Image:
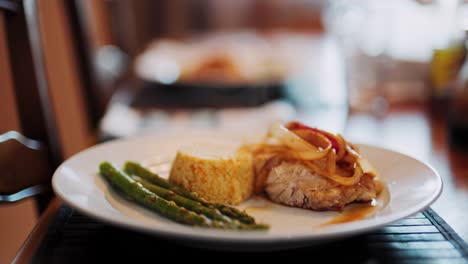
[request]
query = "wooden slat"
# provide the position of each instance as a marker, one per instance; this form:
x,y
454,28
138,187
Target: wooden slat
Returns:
x,y
435,261
417,216
412,222
422,253
404,237
408,230
413,245
64,84
91,21
98,23
8,108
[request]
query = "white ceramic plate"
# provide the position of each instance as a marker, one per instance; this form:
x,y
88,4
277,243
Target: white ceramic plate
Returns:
x,y
411,186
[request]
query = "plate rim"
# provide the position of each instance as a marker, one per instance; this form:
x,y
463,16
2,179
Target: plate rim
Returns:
x,y
236,237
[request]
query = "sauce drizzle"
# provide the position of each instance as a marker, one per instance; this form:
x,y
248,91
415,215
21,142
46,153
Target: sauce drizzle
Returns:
x,y
354,212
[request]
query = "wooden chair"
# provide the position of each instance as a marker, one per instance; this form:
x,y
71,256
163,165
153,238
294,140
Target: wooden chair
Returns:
x,y
24,163
50,97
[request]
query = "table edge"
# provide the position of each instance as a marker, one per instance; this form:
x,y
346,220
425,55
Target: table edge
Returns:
x,y
33,241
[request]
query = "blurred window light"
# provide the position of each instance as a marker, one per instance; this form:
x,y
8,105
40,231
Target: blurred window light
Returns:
x,y
402,29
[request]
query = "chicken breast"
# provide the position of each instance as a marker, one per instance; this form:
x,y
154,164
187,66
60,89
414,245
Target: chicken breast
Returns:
x,y
293,184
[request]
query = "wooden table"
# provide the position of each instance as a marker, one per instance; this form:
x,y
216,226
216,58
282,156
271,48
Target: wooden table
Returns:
x,y
411,130
415,131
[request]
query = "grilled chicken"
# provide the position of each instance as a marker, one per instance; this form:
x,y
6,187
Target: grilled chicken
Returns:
x,y
294,184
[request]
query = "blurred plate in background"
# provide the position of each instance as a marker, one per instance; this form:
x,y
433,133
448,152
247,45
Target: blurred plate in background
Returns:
x,y
219,69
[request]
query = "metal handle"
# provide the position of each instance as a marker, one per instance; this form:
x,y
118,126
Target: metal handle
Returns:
x,y
24,167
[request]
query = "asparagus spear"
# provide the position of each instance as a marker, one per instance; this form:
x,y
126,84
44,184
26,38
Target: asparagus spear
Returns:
x,y
219,220
134,168
148,199
234,213
182,201
170,209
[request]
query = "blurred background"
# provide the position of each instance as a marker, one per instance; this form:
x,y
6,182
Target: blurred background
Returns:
x,y
75,73
326,56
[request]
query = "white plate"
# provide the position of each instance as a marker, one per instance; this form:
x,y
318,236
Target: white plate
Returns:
x,y
411,186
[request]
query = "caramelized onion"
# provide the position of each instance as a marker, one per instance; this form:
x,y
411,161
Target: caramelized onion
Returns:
x,y
354,147
293,126
351,156
341,147
328,155
343,180
347,180
331,162
304,149
314,138
366,167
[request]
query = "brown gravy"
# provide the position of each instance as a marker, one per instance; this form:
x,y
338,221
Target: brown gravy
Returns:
x,y
254,208
354,212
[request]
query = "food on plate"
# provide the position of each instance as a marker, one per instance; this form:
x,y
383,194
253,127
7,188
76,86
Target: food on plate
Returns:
x,y
133,168
182,201
170,201
215,68
148,199
225,58
305,167
294,165
218,173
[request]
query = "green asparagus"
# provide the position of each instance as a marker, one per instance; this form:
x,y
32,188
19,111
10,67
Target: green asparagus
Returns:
x,y
219,220
182,201
233,213
143,196
134,168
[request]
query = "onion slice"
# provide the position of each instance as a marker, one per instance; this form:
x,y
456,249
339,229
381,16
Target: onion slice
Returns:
x,y
366,167
331,162
341,147
304,149
318,150
347,180
293,126
343,180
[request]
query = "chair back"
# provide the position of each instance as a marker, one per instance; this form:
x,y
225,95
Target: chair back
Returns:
x,y
48,103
